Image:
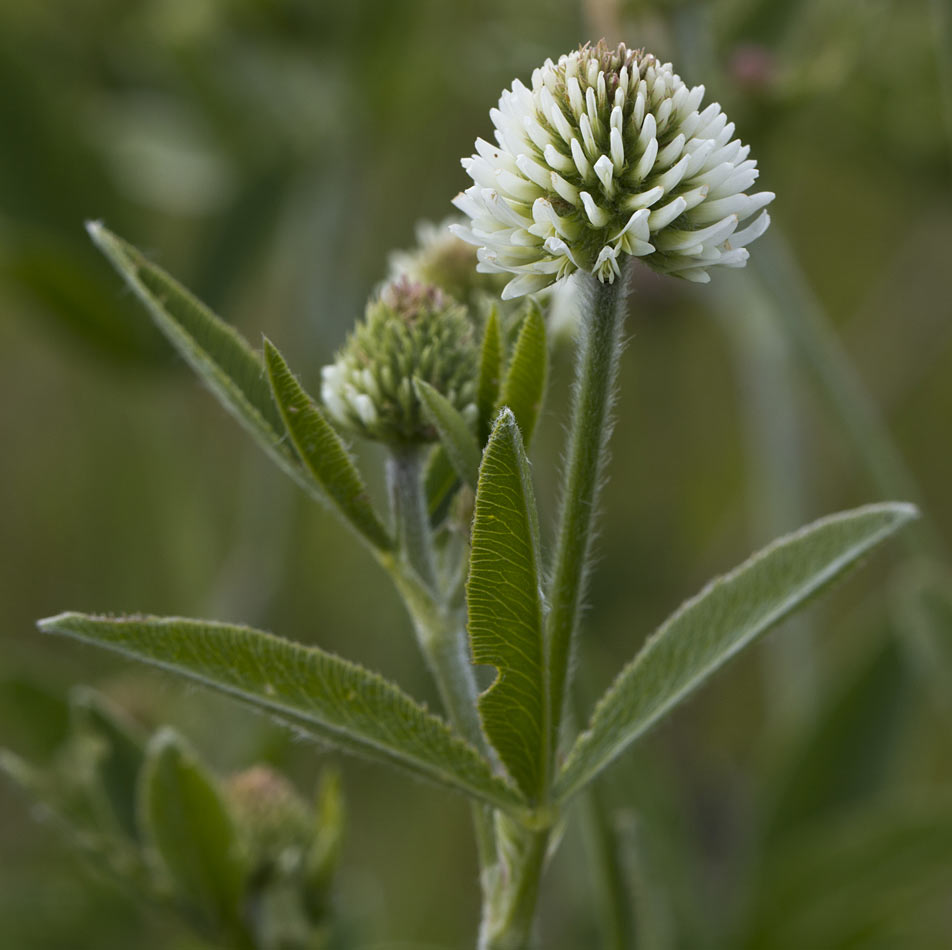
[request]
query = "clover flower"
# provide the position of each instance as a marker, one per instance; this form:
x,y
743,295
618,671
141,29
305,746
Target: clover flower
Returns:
x,y
608,154
411,330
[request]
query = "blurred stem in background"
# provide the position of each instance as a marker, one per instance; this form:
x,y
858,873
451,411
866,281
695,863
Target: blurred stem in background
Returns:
x,y
777,491
804,323
942,47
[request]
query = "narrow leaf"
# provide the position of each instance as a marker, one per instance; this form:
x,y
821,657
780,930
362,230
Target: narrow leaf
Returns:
x,y
184,817
461,447
716,624
322,451
315,691
121,757
440,481
524,386
216,351
505,608
490,373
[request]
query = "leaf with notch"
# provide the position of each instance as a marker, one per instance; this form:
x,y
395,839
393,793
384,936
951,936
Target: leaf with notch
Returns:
x,y
504,599
461,447
331,698
708,630
524,386
322,451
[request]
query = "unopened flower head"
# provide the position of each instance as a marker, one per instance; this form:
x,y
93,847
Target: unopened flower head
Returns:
x,y
609,154
411,330
444,260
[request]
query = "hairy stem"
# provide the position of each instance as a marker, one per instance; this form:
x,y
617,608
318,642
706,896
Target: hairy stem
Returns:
x,y
513,887
439,629
603,311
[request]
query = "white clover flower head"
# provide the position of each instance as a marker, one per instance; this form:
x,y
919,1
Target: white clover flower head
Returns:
x,y
410,330
608,154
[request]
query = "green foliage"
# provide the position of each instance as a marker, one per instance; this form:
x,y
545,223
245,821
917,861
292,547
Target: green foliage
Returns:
x,y
876,875
243,861
725,617
524,386
332,699
459,442
192,834
505,608
121,755
323,453
846,751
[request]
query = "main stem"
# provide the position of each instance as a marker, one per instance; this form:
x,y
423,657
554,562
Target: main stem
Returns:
x,y
510,908
603,313
439,629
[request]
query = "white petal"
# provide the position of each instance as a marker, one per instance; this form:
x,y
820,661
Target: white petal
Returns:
x,y
668,155
685,241
533,171
585,127
526,284
605,170
664,215
751,232
557,160
564,189
617,148
644,199
581,162
647,160
596,215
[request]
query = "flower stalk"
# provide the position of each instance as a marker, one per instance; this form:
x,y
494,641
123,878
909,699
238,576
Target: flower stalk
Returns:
x,y
599,347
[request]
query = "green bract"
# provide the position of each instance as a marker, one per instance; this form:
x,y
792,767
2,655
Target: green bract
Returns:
x,y
411,330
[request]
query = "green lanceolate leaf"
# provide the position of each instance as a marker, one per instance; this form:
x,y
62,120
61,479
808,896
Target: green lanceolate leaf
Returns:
x,y
121,756
317,692
490,372
461,447
188,825
726,616
217,352
439,482
524,385
505,608
322,452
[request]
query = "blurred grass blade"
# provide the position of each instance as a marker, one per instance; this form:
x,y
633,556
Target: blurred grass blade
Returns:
x,y
925,614
524,386
185,818
879,877
461,447
490,373
121,757
315,691
322,452
503,594
846,753
716,624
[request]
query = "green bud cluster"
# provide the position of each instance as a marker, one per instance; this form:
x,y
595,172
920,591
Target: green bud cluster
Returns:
x,y
411,330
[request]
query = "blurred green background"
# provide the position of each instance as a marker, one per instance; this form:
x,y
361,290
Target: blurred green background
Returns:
x,y
270,154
